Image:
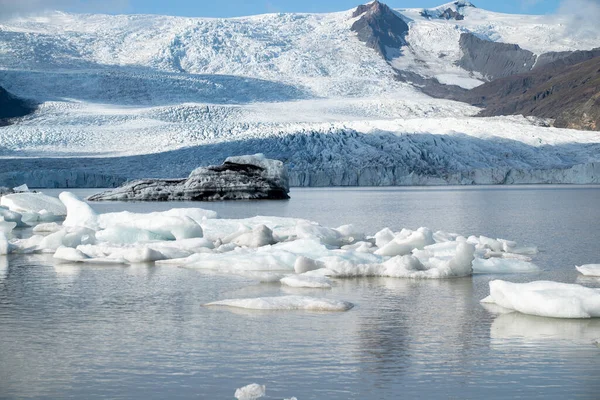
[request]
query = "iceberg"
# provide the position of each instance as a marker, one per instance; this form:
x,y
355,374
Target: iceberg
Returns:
x,y
546,299
307,281
251,392
32,207
238,178
589,269
286,303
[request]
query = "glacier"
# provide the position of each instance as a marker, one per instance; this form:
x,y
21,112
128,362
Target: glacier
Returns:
x,y
126,97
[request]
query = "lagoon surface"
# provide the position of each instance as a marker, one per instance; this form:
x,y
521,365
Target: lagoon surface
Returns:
x,y
143,332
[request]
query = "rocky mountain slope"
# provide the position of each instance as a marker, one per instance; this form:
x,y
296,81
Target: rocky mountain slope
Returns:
x,y
343,98
12,107
570,94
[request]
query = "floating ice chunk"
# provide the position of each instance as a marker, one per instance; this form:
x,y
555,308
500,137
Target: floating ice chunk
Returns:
x,y
21,189
48,227
305,264
286,303
197,214
324,235
360,247
546,299
79,213
251,392
69,254
383,237
350,234
126,235
164,226
307,281
11,216
401,245
409,266
130,254
503,266
589,269
260,236
33,203
5,226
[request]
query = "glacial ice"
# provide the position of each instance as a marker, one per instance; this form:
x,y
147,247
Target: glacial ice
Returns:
x,y
589,269
33,207
294,252
546,299
286,303
503,266
251,392
307,281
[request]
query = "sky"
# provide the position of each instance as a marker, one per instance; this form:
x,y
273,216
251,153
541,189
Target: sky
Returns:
x,y
229,8
234,8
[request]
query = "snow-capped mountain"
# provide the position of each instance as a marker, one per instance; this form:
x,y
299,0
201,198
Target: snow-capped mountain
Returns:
x,y
155,96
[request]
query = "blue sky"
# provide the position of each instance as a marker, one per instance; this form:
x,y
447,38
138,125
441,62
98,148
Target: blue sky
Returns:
x,y
231,8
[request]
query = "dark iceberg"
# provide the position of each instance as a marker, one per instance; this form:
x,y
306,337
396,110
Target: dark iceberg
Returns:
x,y
238,178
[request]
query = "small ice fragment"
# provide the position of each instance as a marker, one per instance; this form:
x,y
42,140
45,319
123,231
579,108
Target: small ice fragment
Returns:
x,y
305,264
589,269
49,227
21,189
259,236
79,213
383,237
286,303
69,254
6,227
304,281
251,392
503,266
401,246
33,203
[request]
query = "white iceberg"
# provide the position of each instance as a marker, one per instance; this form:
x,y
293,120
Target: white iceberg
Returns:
x,y
589,269
286,303
546,299
35,203
251,392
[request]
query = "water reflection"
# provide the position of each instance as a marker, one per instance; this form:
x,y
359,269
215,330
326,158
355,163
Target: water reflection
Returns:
x,y
527,327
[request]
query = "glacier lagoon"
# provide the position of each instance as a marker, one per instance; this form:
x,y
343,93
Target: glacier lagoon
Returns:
x,y
142,331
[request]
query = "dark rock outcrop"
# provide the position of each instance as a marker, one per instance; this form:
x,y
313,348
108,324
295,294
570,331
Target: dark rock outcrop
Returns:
x,y
492,59
567,93
380,27
451,14
13,107
565,58
239,178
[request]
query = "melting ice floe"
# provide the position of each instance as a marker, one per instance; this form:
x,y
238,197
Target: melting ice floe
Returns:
x,y
301,253
250,392
546,299
286,303
589,270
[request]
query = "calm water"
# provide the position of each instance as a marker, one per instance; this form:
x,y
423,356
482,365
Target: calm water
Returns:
x,y
85,332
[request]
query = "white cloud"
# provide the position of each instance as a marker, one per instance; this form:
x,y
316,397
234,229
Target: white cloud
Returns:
x,y
584,15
